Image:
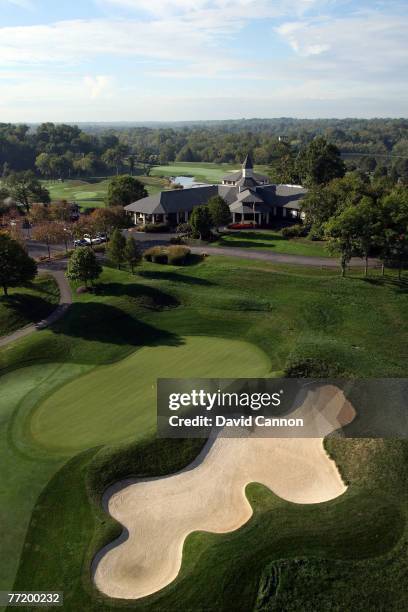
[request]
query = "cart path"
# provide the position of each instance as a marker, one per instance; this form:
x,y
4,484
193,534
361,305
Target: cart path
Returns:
x,y
57,272
303,260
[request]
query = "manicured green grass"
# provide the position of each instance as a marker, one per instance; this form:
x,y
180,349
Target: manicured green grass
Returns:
x,y
360,325
28,304
92,193
273,242
80,415
201,171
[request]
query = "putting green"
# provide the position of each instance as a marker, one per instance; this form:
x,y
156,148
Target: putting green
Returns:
x,y
118,402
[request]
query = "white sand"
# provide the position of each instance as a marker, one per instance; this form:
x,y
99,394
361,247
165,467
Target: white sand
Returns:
x,y
210,496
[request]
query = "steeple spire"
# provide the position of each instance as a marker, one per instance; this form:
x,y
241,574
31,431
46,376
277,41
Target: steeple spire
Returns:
x,y
248,165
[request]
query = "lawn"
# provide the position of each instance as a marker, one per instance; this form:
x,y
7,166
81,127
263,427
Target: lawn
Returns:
x,y
29,304
110,347
201,171
274,242
91,193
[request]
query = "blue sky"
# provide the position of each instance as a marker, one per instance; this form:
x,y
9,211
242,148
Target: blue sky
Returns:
x,y
146,60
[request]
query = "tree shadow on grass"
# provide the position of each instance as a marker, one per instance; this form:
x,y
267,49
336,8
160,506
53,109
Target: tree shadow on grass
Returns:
x,y
98,322
27,306
142,295
175,277
399,286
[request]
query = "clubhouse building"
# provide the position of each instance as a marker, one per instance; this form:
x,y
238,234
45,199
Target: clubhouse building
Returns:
x,y
250,197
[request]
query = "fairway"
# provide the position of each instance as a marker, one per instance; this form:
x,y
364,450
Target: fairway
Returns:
x,y
118,402
201,171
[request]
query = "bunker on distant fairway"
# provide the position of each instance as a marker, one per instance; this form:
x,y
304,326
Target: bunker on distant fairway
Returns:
x,y
116,403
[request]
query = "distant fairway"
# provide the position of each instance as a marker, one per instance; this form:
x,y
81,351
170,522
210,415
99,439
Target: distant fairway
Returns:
x,y
118,401
201,171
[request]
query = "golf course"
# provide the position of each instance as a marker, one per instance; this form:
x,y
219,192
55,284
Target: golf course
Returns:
x,y
78,414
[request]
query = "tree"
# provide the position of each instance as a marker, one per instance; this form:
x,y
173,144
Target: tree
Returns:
x,y
114,157
319,163
341,234
16,267
25,189
39,214
107,219
395,223
116,248
200,222
123,190
219,211
367,227
60,211
132,253
49,232
83,266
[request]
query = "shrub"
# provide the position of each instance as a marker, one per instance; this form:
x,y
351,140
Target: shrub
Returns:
x,y
314,367
176,240
156,255
154,228
177,255
293,231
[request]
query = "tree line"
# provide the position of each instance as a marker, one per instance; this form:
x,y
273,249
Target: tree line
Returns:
x,y
59,151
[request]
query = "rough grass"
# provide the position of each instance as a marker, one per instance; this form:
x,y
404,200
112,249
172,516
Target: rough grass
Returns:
x,y
29,304
283,311
274,242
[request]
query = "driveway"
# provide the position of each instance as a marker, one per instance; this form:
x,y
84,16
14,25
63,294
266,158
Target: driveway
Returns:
x,y
57,270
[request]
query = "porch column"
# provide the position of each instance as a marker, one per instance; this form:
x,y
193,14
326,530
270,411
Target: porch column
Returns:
x,y
267,218
284,212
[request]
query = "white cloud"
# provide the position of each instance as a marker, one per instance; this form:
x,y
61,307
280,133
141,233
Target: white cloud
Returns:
x,y
99,86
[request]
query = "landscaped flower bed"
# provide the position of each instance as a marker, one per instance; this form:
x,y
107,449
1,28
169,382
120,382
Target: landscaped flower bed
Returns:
x,y
243,226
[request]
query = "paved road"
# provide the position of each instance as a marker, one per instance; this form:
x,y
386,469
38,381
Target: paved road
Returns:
x,y
320,262
57,270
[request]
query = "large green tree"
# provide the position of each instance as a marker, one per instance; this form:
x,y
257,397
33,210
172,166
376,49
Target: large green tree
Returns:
x,y
201,222
123,190
395,222
116,248
219,211
25,189
319,163
132,253
83,266
16,267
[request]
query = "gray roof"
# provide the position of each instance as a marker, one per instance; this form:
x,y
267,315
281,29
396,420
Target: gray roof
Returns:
x,y
265,197
176,200
249,195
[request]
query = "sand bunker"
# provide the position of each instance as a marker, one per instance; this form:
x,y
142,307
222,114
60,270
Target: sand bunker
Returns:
x,y
209,495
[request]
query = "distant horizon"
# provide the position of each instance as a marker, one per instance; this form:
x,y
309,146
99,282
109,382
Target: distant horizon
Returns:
x,y
195,121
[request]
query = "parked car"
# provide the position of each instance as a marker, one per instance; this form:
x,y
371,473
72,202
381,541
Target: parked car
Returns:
x,y
81,242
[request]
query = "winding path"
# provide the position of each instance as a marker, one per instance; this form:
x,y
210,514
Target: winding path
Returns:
x,y
57,270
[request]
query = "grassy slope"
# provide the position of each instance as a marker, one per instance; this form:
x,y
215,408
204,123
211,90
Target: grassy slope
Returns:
x,y
273,241
28,304
202,172
281,310
90,194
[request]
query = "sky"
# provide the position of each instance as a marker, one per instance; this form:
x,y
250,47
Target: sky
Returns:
x,y
183,60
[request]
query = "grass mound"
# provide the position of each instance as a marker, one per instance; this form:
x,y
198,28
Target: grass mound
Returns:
x,y
28,304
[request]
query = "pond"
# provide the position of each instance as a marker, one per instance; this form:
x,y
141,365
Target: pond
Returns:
x,y
186,181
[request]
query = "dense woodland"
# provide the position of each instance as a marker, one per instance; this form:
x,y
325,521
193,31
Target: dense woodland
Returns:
x,y
63,151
